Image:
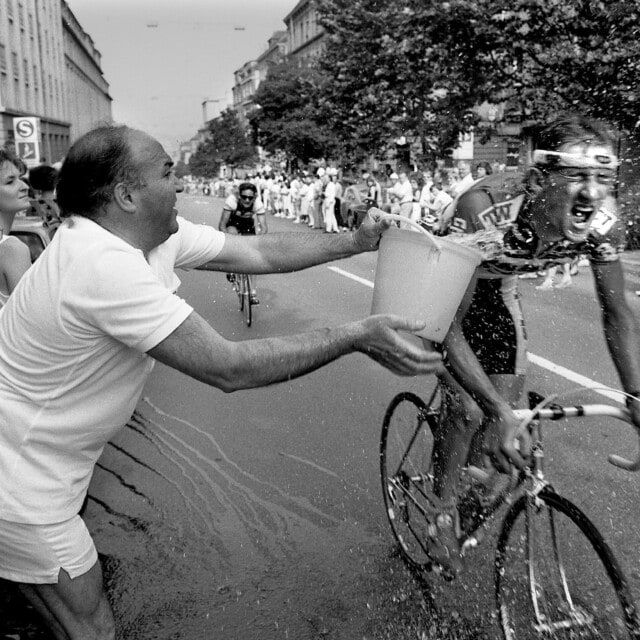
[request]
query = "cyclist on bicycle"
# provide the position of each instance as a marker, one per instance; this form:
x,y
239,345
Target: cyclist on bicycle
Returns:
x,y
562,208
244,215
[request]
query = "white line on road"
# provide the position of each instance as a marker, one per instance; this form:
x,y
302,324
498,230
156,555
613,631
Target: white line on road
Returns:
x,y
346,274
581,380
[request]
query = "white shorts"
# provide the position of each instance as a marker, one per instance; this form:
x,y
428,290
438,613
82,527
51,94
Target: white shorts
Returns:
x,y
34,554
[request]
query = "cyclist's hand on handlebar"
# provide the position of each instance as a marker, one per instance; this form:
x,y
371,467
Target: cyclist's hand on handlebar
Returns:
x,y
367,236
499,442
381,341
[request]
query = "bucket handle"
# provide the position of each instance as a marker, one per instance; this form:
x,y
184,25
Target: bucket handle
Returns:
x,y
415,225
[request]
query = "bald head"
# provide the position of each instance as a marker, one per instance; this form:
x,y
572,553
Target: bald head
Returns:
x,y
96,162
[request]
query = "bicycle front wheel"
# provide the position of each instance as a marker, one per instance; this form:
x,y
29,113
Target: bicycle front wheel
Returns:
x,y
239,289
406,444
556,577
247,300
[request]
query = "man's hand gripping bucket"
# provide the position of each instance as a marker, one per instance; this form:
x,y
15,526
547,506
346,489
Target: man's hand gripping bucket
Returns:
x,y
421,277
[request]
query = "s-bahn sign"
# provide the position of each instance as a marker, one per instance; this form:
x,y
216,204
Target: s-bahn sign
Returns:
x,y
27,136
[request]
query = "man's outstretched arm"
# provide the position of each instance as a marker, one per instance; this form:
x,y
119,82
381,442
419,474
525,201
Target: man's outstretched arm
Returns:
x,y
197,350
284,252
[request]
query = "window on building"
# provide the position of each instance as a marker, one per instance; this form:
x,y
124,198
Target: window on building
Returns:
x,y
21,16
14,64
35,77
25,64
10,10
31,26
3,59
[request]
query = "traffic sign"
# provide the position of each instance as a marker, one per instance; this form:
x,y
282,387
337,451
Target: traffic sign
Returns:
x,y
27,151
27,136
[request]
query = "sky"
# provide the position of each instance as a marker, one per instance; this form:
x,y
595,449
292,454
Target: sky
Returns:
x,y
163,58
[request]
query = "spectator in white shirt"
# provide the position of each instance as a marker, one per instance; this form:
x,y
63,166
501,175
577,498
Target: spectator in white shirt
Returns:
x,y
440,199
402,193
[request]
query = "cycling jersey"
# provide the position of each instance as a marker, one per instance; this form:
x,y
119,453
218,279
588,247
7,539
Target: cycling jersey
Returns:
x,y
242,218
494,324
500,202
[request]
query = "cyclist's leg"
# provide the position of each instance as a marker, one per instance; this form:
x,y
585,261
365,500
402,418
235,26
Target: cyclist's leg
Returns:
x,y
458,440
495,333
495,330
460,418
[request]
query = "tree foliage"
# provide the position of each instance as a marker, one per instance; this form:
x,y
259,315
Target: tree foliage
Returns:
x,y
386,79
545,56
286,118
226,142
417,67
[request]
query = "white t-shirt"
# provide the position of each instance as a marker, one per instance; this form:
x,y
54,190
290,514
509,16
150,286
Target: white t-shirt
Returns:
x,y
73,361
403,191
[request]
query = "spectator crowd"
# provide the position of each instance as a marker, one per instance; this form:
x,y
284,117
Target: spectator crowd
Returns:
x,y
316,197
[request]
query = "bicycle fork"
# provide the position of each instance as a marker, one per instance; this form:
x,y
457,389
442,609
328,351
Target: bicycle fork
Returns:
x,y
537,509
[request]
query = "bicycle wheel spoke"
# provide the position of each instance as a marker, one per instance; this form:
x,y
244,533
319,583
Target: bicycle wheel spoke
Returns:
x,y
556,577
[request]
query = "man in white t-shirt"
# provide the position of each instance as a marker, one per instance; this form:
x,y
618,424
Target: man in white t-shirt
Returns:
x,y
82,330
402,194
466,179
440,199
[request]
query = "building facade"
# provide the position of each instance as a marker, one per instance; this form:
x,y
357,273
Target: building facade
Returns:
x,y
246,82
88,101
306,36
247,79
276,52
42,46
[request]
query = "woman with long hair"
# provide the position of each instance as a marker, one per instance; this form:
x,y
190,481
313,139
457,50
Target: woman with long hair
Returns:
x,y
15,257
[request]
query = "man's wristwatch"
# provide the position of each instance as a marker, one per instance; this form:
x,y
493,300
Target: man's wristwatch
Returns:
x,y
630,396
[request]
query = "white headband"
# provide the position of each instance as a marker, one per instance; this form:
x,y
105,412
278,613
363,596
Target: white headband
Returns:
x,y
580,160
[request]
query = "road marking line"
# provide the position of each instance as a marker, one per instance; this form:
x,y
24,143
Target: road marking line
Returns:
x,y
581,380
346,274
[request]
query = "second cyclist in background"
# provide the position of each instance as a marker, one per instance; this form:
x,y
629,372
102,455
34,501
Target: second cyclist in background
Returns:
x,y
244,214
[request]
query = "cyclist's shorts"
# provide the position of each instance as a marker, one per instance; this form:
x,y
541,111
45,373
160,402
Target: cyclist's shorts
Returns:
x,y
494,326
34,554
245,226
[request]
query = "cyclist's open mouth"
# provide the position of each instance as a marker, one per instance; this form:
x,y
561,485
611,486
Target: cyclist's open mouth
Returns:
x,y
579,218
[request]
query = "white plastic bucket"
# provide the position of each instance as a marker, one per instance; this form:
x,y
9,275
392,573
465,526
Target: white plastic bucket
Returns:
x,y
422,278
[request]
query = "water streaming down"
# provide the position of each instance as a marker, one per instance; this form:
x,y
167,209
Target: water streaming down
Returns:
x,y
195,545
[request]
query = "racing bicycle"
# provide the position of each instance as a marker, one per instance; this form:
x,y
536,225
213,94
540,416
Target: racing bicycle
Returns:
x,y
554,574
